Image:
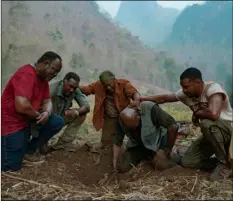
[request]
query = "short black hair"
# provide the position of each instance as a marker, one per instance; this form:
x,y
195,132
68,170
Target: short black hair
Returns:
x,y
106,75
191,73
51,56
72,75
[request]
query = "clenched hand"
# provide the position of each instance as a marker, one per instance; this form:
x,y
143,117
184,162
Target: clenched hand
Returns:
x,y
42,118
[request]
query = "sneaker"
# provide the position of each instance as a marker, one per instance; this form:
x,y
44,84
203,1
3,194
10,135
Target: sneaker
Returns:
x,y
34,158
45,149
221,172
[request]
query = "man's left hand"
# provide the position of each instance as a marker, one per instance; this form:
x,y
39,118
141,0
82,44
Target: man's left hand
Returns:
x,y
135,104
43,118
71,113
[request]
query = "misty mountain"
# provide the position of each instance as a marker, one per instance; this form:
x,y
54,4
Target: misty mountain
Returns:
x,y
202,37
209,24
147,20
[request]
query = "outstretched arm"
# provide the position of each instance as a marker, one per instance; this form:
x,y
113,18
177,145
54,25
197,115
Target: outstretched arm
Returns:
x,y
160,99
89,89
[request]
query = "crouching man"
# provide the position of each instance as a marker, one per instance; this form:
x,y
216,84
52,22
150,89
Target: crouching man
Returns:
x,y
213,113
63,92
152,133
25,94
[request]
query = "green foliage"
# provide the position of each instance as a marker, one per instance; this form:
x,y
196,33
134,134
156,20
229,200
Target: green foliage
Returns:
x,y
151,77
19,13
47,17
171,72
55,35
65,9
77,60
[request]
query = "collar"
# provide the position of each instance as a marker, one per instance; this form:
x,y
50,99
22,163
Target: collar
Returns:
x,y
60,89
117,92
33,65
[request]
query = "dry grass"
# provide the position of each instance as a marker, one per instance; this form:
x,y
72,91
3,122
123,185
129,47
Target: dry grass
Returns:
x,y
147,188
141,185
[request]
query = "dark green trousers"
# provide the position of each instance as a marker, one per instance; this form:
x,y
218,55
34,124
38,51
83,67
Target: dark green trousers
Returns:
x,y
215,140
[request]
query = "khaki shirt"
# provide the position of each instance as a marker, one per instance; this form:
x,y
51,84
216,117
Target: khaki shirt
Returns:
x,y
62,103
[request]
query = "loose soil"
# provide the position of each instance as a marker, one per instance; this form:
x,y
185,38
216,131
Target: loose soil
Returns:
x,y
80,168
76,176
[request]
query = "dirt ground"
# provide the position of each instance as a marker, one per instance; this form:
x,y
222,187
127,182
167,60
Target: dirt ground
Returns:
x,y
75,176
67,175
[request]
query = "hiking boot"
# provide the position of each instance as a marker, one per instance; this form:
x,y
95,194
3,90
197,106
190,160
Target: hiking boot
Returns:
x,y
34,158
45,149
221,172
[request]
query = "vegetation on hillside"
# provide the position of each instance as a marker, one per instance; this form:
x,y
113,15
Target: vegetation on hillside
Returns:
x,y
85,38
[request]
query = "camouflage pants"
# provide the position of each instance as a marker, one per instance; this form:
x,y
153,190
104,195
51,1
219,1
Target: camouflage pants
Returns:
x,y
215,140
68,134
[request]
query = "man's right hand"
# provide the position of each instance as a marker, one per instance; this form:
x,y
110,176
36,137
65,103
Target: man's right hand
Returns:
x,y
111,177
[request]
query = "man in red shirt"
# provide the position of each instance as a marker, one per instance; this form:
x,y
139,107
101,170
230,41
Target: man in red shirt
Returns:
x,y
26,101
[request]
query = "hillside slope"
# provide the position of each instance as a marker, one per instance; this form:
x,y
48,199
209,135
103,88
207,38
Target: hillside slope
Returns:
x,y
87,41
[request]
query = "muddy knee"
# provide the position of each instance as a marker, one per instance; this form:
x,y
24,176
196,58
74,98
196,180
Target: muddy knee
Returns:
x,y
188,161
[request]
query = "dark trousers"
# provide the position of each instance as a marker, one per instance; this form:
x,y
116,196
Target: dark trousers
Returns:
x,y
15,145
133,156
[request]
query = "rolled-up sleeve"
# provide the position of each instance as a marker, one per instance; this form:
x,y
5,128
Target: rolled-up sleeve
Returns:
x,y
130,90
81,99
118,136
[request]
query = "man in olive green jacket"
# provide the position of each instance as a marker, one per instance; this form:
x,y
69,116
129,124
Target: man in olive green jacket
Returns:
x,y
63,92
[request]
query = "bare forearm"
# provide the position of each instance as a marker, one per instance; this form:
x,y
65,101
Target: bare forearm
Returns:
x,y
206,114
160,99
116,153
136,97
83,110
28,111
24,107
156,99
47,107
171,136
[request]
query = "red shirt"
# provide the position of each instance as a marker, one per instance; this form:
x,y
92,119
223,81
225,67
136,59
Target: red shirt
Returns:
x,y
23,83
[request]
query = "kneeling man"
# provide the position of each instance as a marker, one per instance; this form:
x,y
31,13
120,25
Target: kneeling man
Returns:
x,y
152,133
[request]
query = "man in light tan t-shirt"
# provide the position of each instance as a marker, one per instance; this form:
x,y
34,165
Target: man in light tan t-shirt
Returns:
x,y
213,113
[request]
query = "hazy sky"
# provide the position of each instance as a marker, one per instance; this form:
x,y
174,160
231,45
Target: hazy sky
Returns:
x,y
113,6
